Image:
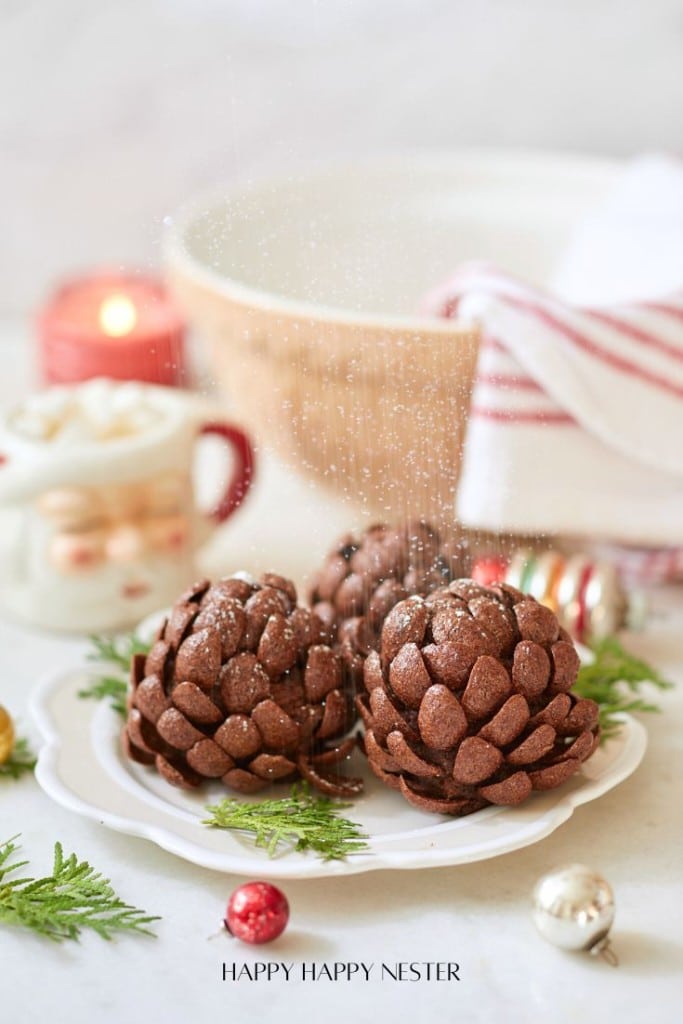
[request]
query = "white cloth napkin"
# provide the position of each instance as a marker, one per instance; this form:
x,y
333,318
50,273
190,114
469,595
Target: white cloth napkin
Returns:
x,y
576,423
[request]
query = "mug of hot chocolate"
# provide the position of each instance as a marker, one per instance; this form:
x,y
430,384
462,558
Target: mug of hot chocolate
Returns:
x,y
101,523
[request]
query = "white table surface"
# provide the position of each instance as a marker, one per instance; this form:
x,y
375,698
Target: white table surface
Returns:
x,y
476,915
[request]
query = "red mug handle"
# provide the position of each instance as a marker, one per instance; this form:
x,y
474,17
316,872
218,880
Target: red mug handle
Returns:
x,y
242,475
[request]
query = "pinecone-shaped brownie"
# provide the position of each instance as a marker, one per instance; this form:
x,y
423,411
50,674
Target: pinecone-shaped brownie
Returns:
x,y
363,578
468,700
241,686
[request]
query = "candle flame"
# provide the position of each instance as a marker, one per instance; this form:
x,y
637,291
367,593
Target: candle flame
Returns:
x,y
118,316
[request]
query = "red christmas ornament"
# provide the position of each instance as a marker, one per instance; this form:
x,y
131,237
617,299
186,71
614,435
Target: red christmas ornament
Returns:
x,y
257,912
489,569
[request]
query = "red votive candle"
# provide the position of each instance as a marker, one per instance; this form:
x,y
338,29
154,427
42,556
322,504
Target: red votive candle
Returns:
x,y
116,325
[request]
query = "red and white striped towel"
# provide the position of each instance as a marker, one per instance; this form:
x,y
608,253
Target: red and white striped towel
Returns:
x,y
577,412
576,423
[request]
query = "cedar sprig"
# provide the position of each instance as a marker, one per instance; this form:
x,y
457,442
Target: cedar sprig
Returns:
x,y
116,653
20,761
300,822
62,904
611,679
117,650
108,686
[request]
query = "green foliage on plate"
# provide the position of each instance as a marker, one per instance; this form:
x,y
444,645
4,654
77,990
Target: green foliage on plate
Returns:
x,y
613,680
114,655
299,821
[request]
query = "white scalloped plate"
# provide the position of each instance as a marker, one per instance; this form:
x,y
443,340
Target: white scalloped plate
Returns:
x,y
81,767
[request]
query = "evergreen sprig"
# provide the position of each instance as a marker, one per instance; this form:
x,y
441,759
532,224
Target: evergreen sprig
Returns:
x,y
62,904
611,679
117,650
116,653
108,686
300,821
20,761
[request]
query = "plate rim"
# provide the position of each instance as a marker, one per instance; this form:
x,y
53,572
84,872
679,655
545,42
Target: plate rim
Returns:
x,y
300,866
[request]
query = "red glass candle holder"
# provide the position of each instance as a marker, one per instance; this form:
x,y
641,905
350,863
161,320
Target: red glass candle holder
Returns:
x,y
119,325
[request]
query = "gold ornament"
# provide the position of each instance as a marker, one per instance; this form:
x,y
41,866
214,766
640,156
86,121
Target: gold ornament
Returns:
x,y
6,735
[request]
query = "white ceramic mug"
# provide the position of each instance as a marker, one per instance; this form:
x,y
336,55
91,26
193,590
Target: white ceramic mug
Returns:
x,y
102,524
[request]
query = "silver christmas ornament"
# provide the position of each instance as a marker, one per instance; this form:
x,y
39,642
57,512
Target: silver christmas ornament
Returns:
x,y
573,907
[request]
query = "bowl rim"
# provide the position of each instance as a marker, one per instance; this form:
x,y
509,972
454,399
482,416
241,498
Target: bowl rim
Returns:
x,y
178,258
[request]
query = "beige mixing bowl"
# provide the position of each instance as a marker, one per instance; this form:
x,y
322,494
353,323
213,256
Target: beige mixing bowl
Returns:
x,y
308,288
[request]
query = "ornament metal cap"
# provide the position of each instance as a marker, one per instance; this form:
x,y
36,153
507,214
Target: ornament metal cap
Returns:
x,y
573,908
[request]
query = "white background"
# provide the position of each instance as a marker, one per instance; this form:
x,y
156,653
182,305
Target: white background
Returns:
x,y
110,115
113,113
